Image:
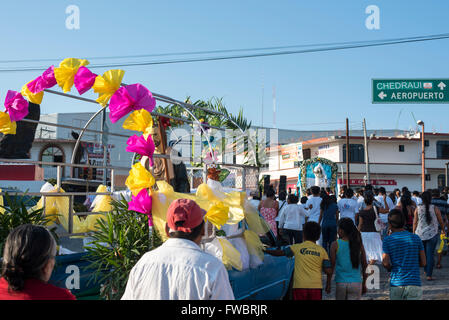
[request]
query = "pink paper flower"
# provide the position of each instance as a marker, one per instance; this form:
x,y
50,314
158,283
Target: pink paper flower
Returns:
x,y
129,98
209,159
16,105
142,146
84,79
44,81
142,203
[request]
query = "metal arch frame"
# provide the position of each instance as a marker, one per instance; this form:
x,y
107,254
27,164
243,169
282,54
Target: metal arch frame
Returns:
x,y
184,105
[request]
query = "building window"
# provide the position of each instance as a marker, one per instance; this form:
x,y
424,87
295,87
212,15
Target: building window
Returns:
x,y
426,143
306,154
443,149
401,148
52,153
427,177
356,153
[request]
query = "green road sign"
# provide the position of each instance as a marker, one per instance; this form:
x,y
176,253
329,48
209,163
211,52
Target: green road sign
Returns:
x,y
410,90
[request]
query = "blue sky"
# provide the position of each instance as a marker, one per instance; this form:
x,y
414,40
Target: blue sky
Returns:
x,y
311,88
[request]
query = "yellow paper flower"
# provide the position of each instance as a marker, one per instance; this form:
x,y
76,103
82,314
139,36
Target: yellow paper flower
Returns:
x,y
231,256
31,97
139,178
107,84
139,120
65,73
6,126
253,243
217,214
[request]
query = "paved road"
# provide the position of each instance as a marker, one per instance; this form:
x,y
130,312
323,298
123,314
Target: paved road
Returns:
x,y
437,289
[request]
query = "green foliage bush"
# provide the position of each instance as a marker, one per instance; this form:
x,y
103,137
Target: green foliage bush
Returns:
x,y
18,211
120,241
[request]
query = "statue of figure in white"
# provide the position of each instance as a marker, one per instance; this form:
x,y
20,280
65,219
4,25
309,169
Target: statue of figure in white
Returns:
x,y
320,176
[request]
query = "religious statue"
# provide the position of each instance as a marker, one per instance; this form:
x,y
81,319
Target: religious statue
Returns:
x,y
320,176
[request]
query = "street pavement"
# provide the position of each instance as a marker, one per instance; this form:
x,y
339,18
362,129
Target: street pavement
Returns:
x,y
437,289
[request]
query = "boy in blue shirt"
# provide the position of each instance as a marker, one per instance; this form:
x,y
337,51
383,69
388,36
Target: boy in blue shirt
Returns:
x,y
403,255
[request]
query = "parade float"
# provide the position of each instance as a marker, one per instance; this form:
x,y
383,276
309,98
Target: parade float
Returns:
x,y
233,226
319,172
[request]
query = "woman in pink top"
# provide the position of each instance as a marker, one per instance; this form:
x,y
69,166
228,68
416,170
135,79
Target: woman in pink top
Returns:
x,y
269,209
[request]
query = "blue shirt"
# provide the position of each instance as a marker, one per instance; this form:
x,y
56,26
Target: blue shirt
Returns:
x,y
403,248
329,215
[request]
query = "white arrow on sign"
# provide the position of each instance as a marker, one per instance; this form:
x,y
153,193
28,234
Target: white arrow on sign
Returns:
x,y
441,85
382,95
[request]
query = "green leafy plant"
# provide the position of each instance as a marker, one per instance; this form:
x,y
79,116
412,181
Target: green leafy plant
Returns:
x,y
19,210
120,241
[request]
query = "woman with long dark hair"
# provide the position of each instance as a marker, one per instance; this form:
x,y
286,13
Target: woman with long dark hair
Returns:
x,y
328,220
425,225
406,205
348,260
28,261
370,236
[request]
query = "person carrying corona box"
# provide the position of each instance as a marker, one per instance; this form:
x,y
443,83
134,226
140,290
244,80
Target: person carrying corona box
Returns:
x,y
179,269
310,260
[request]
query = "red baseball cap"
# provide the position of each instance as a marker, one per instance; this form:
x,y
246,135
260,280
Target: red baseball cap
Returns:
x,y
184,210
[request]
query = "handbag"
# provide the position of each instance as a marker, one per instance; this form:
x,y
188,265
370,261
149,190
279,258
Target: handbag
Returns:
x,y
378,223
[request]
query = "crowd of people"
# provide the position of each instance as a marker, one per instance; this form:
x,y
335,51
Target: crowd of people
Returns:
x,y
399,230
336,235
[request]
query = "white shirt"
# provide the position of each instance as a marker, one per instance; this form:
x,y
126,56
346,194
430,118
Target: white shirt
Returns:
x,y
360,201
178,270
417,200
390,203
291,217
348,208
282,205
380,199
314,213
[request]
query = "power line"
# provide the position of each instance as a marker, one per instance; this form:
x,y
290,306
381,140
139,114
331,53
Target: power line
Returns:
x,y
266,54
223,50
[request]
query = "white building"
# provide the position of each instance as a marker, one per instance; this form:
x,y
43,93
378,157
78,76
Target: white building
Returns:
x,y
394,161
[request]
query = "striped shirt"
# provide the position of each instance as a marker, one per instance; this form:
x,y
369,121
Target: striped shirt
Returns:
x,y
403,248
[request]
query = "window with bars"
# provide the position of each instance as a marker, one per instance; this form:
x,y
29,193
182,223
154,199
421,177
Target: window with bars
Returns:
x,y
356,153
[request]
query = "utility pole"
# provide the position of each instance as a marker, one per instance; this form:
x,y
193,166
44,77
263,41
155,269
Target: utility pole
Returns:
x,y
274,107
423,157
261,125
368,181
347,152
447,175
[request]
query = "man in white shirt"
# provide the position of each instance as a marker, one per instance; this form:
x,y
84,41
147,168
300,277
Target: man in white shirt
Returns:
x,y
313,205
347,206
179,269
290,220
416,198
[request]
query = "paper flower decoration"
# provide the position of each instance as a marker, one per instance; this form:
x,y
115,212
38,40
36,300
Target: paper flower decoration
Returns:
x,y
129,98
6,126
16,105
209,159
65,73
142,203
141,145
44,81
165,122
139,120
139,178
32,97
84,79
107,84
217,214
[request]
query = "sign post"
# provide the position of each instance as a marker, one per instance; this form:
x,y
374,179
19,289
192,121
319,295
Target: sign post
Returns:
x,y
410,90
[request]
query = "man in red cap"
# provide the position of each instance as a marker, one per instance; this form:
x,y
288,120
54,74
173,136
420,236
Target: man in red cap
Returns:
x,y
179,269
